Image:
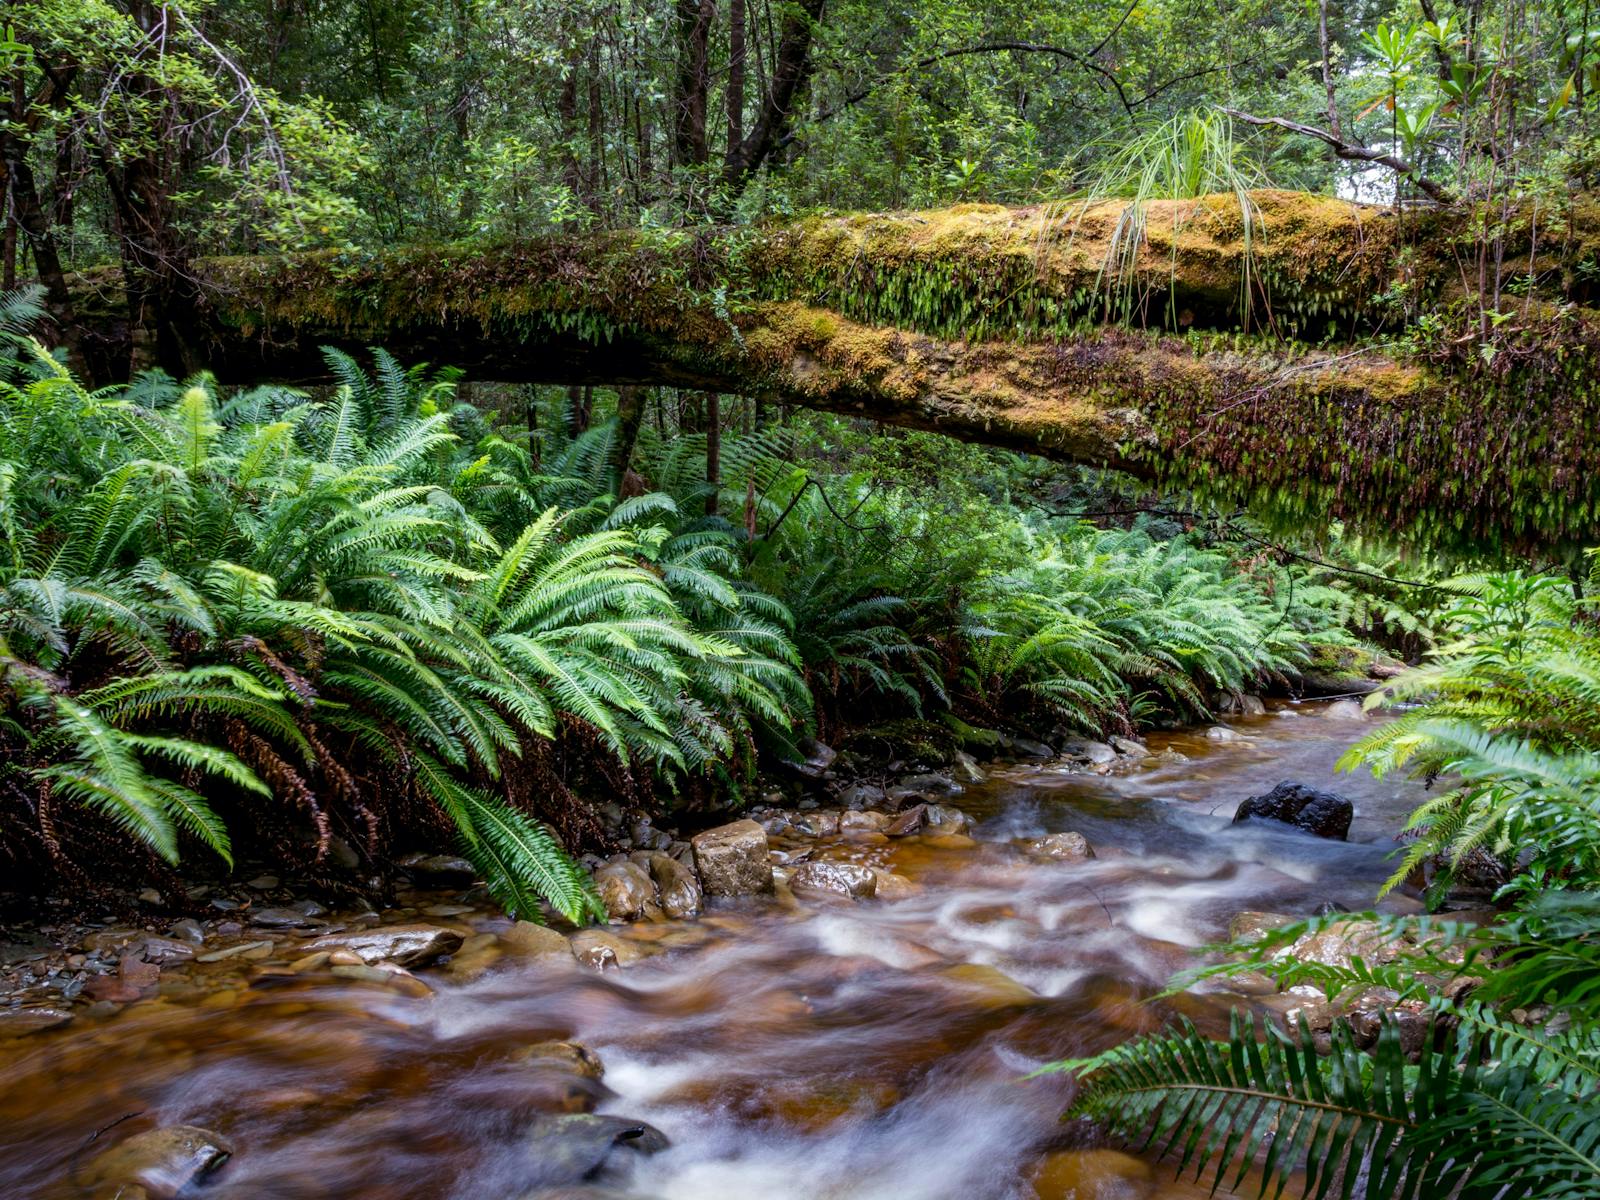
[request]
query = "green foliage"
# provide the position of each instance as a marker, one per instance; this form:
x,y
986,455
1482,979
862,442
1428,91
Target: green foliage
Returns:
x,y
337,606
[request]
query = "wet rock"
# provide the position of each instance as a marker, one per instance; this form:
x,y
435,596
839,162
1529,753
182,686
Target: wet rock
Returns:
x,y
1221,733
625,889
20,1022
866,821
1129,748
165,950
405,945
818,758
1377,1007
106,941
862,795
932,784
677,886
647,837
262,883
283,918
732,860
912,821
164,1162
187,930
572,1057
892,887
535,940
1092,1175
233,951
575,1147
387,975
1344,710
1251,926
1301,1002
439,870
1028,748
989,987
1343,941
1321,813
942,819
601,951
1085,750
830,879
967,768
820,823
1063,847
135,970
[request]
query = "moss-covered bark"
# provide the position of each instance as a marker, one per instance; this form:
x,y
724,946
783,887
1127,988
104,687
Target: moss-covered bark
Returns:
x,y
991,324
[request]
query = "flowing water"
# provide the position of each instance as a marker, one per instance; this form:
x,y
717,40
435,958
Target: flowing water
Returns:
x,y
863,1051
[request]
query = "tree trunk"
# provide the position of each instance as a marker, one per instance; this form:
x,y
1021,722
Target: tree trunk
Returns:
x,y
791,68
630,412
694,80
713,450
736,22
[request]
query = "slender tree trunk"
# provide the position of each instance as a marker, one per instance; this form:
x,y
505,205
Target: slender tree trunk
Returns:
x,y
8,242
713,450
736,24
791,68
630,413
694,18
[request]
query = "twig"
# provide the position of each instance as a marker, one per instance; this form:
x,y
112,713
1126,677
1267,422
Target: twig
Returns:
x,y
1351,152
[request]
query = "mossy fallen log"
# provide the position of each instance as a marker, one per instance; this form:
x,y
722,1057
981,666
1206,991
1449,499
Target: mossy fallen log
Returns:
x,y
1325,359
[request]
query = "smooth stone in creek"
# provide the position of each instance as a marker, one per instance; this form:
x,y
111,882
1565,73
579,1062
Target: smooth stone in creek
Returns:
x,y
1028,748
571,1057
625,889
1251,926
575,1147
283,918
1086,750
911,821
732,860
968,769
1129,748
944,819
864,821
1300,1003
164,1162
187,930
262,883
1342,942
386,975
1345,710
1092,1175
234,951
677,887
823,879
405,945
1325,814
862,795
1064,847
1221,733
604,951
533,940
989,987
439,869
892,887
19,1022
818,758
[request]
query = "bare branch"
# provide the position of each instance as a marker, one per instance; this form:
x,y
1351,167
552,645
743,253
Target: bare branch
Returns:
x,y
1351,152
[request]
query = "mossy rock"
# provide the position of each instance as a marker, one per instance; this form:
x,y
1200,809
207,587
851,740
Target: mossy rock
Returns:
x,y
914,741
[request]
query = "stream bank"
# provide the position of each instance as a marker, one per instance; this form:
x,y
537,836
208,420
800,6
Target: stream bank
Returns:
x,y
799,1043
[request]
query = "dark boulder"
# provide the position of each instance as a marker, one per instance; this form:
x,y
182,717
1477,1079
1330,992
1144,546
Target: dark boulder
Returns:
x,y
1321,813
565,1148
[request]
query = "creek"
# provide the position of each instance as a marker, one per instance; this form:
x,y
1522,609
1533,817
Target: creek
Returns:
x,y
869,1051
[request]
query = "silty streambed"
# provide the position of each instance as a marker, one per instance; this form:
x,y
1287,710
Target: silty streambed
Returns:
x,y
872,1051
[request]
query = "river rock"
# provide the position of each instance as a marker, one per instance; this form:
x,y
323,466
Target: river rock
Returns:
x,y
818,823
284,918
862,795
1028,748
1344,710
535,941
439,870
1343,941
187,930
818,758
1221,733
912,821
678,888
732,859
944,820
20,1022
826,879
865,821
165,950
967,768
625,889
1063,847
571,1057
1129,748
1252,926
647,837
601,951
989,987
1369,1012
1093,1175
164,1162
405,945
1321,813
576,1147
1085,750
931,783
892,887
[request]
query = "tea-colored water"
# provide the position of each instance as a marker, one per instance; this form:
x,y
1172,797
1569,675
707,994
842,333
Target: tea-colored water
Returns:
x,y
871,1052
